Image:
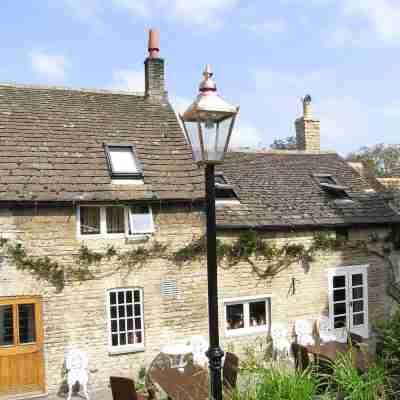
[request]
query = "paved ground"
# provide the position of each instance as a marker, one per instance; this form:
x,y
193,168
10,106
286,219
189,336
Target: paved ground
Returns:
x,y
102,395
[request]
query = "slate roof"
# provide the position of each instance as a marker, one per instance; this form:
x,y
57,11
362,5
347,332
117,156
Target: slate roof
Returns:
x,y
51,146
279,189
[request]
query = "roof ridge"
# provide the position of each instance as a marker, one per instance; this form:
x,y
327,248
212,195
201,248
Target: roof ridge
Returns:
x,y
285,152
71,89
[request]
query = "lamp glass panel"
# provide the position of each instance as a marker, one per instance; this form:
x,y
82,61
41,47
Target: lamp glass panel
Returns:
x,y
192,131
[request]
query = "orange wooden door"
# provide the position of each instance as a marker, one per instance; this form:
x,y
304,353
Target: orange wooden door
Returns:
x,y
21,346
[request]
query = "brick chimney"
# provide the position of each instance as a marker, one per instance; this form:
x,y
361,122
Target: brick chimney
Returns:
x,y
307,128
154,70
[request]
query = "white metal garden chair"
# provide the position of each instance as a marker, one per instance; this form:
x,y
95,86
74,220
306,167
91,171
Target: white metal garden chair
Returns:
x,y
326,333
76,363
280,340
304,332
199,347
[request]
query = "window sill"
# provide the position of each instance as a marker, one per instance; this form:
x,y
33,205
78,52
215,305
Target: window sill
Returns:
x,y
246,332
126,349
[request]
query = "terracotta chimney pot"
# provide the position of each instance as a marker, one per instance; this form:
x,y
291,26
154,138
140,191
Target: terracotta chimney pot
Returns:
x,y
154,43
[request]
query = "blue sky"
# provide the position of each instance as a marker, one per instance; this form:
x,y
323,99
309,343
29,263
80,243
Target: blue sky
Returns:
x,y
266,56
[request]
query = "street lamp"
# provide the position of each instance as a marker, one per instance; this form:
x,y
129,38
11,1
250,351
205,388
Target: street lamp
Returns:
x,y
208,125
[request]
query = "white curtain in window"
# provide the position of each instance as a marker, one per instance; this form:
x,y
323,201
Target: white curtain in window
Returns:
x,y
115,220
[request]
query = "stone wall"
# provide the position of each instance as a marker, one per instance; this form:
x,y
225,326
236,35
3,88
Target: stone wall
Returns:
x,y
76,316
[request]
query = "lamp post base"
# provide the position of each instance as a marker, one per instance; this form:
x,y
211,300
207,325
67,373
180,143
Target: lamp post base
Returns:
x,y
215,354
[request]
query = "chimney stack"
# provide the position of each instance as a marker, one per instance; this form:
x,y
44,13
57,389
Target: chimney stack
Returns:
x,y
307,128
154,70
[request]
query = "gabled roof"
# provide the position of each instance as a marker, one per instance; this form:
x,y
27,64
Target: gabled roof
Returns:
x,y
51,146
279,189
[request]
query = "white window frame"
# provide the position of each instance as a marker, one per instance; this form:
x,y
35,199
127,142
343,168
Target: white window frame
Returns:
x,y
348,270
103,223
248,330
127,348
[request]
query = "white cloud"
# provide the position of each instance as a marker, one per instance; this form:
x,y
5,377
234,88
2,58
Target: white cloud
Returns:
x,y
207,13
180,103
128,79
246,134
50,66
267,28
86,10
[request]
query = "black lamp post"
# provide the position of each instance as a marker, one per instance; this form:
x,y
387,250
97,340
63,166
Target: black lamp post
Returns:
x,y
208,125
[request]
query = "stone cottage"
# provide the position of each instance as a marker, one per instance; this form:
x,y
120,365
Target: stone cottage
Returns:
x,y
98,196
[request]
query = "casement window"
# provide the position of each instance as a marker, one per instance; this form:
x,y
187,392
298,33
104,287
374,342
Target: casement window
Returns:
x,y
223,191
114,221
125,319
122,162
247,315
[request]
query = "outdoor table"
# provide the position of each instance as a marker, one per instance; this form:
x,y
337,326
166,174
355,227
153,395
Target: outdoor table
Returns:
x,y
329,351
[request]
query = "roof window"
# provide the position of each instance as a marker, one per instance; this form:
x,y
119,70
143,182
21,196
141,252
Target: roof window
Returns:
x,y
331,186
122,162
223,191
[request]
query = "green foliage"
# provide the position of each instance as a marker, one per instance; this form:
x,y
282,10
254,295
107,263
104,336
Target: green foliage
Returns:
x,y
290,143
372,385
42,267
256,354
389,334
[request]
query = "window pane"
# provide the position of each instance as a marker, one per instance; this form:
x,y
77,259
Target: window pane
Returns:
x,y
137,310
122,160
114,326
121,298
90,220
114,340
121,311
339,322
326,179
138,323
27,330
234,316
6,326
138,337
357,279
257,313
113,312
140,220
122,325
113,298
358,306
136,296
358,293
122,339
339,295
129,311
358,319
115,220
339,281
129,296
130,324
339,308
131,337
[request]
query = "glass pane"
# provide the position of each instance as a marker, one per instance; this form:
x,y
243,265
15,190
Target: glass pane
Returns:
x,y
358,306
130,324
121,325
136,295
140,220
129,311
358,319
131,337
358,293
339,295
90,220
113,298
6,326
339,322
129,296
114,340
137,310
122,339
138,337
121,298
115,220
339,281
257,313
122,160
26,317
113,312
234,316
138,323
215,136
114,326
357,279
121,311
339,308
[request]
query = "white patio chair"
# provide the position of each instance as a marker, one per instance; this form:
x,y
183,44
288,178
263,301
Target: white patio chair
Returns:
x,y
341,335
280,340
326,334
76,363
304,332
199,347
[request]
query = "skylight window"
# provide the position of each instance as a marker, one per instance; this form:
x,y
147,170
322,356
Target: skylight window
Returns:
x,y
223,191
331,186
122,162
